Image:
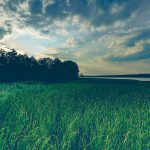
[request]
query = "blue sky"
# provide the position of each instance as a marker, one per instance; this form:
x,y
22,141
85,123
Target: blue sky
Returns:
x,y
102,36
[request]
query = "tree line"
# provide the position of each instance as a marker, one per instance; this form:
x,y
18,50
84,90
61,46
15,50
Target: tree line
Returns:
x,y
20,67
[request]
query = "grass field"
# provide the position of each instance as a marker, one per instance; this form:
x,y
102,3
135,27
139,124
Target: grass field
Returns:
x,y
90,114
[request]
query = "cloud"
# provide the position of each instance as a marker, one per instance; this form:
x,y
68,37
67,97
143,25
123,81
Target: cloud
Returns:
x,y
72,42
56,10
42,13
12,5
113,10
35,6
82,30
3,32
5,29
136,56
129,46
140,36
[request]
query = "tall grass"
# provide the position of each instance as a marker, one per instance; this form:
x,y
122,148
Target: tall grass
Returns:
x,y
84,115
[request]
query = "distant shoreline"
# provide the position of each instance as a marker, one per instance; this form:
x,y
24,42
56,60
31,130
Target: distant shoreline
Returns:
x,y
122,76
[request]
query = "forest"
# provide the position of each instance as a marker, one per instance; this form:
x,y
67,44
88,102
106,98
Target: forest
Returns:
x,y
20,67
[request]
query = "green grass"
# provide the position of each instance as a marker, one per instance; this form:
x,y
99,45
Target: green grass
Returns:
x,y
90,114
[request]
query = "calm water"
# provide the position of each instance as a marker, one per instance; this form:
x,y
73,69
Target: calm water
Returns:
x,y
139,79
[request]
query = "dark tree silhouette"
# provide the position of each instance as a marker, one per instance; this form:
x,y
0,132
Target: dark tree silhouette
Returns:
x,y
18,67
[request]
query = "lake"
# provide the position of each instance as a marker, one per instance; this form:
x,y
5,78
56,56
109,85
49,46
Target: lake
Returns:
x,y
139,79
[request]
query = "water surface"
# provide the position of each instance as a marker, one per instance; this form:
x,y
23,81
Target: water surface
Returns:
x,y
139,79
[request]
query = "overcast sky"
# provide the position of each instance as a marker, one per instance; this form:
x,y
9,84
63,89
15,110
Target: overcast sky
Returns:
x,y
102,36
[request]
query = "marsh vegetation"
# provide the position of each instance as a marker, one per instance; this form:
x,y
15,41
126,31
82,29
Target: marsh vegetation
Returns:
x,y
89,114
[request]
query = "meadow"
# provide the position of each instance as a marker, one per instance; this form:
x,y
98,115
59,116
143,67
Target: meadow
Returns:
x,y
89,114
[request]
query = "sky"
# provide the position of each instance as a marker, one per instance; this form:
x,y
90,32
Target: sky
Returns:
x,y
102,36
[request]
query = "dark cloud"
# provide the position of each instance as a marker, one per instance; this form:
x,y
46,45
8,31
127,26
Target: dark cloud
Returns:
x,y
140,36
36,22
97,12
141,55
41,14
12,5
61,9
79,8
5,29
58,9
107,17
3,32
35,6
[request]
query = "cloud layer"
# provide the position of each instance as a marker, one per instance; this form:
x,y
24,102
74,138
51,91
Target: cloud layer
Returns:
x,y
104,31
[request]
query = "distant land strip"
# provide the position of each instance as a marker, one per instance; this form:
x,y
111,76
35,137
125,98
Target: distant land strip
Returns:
x,y
124,76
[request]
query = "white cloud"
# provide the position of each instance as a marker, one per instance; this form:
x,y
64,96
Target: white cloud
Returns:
x,y
72,42
116,8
